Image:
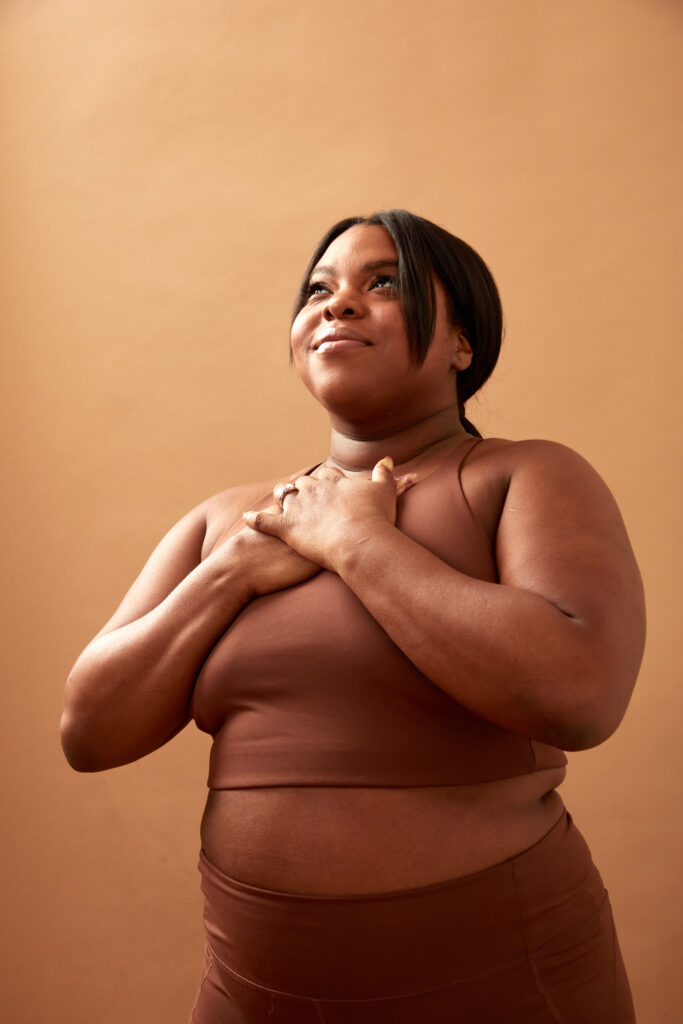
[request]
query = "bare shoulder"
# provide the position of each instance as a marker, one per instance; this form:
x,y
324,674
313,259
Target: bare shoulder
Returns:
x,y
223,511
489,467
531,493
501,457
546,471
495,465
558,521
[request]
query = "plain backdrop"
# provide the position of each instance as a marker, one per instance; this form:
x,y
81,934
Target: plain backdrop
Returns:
x,y
166,169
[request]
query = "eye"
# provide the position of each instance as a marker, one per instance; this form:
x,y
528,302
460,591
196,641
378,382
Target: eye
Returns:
x,y
316,288
386,282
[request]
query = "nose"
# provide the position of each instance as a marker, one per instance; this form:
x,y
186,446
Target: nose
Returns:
x,y
342,306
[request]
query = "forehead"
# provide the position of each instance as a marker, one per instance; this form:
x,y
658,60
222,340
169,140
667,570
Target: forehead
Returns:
x,y
360,244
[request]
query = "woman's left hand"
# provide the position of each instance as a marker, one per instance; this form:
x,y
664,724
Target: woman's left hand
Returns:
x,y
328,511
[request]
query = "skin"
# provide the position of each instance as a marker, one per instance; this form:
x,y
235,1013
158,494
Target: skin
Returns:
x,y
563,627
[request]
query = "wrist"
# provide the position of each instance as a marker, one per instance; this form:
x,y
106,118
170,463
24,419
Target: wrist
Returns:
x,y
351,547
232,570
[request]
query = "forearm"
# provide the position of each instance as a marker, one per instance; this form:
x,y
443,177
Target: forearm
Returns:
x,y
505,653
129,690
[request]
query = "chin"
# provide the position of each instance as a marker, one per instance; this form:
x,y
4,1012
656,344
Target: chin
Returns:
x,y
348,402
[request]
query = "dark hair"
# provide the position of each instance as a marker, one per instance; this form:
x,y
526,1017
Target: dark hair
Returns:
x,y
425,249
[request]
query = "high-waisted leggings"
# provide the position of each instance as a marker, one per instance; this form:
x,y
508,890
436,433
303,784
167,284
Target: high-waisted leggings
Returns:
x,y
529,941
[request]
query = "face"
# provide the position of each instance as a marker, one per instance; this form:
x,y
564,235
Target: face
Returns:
x,y
349,340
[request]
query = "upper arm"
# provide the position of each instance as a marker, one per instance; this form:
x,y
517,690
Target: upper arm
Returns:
x,y
561,536
174,557
182,549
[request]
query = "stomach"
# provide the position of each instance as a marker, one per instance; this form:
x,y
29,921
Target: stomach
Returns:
x,y
318,840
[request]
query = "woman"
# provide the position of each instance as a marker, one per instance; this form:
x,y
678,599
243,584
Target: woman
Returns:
x,y
391,649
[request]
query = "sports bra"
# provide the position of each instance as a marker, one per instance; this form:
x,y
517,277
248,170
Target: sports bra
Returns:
x,y
305,688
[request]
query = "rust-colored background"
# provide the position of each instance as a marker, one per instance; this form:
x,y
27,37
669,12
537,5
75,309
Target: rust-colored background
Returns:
x,y
166,168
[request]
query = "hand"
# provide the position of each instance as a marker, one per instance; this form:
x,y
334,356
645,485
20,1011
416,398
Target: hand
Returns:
x,y
329,510
266,563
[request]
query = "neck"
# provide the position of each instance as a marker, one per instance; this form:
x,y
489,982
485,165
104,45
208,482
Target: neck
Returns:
x,y
353,450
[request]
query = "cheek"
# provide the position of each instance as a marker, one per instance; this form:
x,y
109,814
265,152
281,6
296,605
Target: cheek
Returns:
x,y
392,325
296,337
297,346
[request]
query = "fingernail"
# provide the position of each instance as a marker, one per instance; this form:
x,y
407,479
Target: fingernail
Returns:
x,y
408,478
387,461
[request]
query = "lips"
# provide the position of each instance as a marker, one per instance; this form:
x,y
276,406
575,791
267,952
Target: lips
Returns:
x,y
339,340
339,345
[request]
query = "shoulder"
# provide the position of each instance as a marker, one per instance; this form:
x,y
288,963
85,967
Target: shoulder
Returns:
x,y
233,499
500,477
504,464
223,511
557,515
498,454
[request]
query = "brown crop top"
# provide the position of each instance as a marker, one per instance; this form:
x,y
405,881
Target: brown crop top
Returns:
x,y
306,689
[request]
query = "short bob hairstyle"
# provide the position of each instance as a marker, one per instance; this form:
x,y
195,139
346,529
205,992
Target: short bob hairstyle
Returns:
x,y
426,250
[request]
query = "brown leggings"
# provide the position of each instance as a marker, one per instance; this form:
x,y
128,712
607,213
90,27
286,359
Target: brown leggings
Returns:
x,y
529,941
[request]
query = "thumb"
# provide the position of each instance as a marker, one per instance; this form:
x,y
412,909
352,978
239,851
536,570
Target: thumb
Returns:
x,y
265,522
383,470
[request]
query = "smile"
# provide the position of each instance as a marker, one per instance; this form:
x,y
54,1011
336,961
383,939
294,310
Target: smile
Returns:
x,y
340,339
339,345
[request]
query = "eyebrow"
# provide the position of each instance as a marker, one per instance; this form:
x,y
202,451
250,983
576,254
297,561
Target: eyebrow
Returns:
x,y
326,268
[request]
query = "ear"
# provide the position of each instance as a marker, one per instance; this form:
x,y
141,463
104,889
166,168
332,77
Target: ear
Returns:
x,y
461,353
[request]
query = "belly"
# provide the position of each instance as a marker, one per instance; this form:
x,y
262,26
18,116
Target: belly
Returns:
x,y
338,840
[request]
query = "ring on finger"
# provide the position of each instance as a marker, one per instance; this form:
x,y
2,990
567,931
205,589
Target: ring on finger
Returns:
x,y
282,490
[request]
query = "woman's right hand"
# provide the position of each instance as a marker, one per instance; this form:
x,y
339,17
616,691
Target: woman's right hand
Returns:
x,y
265,563
130,690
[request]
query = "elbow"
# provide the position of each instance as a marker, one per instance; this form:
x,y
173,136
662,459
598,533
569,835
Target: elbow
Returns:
x,y
597,688
74,750
79,733
79,752
588,723
579,734
582,703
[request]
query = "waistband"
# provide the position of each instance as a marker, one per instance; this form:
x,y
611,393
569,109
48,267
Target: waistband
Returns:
x,y
323,947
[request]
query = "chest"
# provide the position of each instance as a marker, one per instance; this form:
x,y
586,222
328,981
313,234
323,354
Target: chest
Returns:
x,y
316,642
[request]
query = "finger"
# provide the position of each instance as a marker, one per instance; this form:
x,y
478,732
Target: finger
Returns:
x,y
265,522
280,492
383,470
404,483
